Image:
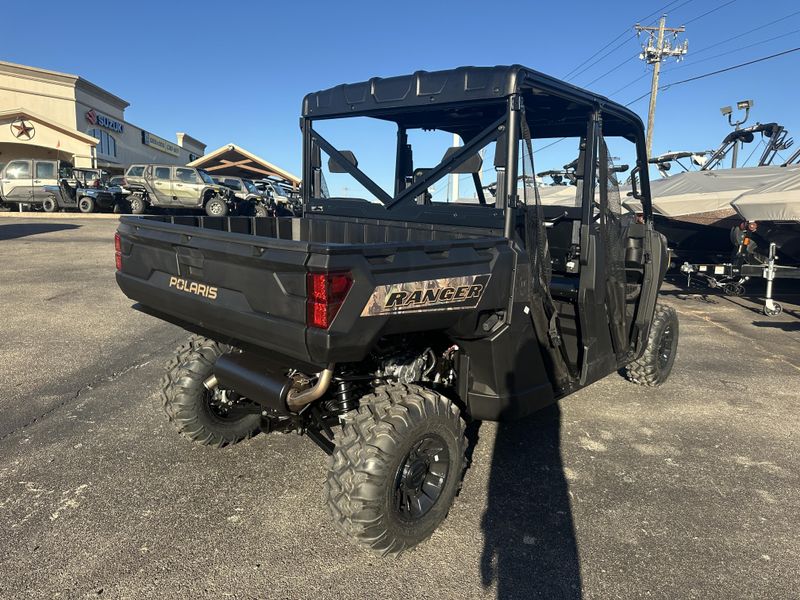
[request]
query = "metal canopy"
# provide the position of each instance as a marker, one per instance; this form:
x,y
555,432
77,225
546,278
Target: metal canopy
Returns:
x,y
448,99
238,162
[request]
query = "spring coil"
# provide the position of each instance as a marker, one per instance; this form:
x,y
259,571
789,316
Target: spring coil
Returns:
x,y
344,398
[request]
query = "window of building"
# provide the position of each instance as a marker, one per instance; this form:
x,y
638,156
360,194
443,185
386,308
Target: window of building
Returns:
x,y
45,170
186,175
162,173
19,169
107,145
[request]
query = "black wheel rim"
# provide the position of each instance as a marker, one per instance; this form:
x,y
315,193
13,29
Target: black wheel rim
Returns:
x,y
224,405
421,477
665,346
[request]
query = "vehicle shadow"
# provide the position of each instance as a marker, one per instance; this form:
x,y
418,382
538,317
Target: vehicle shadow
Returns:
x,y
530,549
790,326
18,230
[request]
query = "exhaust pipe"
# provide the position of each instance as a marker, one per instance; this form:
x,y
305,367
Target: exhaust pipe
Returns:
x,y
245,373
297,399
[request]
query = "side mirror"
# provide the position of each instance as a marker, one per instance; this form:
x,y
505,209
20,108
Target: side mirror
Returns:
x,y
472,165
335,167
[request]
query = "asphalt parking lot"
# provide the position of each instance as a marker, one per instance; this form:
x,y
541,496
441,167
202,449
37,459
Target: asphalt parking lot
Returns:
x,y
686,491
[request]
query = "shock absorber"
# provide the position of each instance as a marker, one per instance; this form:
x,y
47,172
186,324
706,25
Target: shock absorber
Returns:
x,y
345,397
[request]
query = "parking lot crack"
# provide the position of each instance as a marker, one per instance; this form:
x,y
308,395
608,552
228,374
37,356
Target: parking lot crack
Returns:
x,y
94,384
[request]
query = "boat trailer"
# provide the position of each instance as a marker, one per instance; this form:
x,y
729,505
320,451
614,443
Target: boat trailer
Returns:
x,y
731,277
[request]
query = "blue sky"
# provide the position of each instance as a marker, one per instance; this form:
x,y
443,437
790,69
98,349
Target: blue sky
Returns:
x,y
237,71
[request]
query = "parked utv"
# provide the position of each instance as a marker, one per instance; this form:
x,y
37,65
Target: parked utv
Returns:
x,y
85,190
167,186
23,181
379,325
282,201
246,192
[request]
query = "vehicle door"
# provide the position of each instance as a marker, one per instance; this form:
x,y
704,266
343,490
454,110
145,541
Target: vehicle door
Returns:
x,y
237,187
187,186
17,181
162,184
613,256
45,172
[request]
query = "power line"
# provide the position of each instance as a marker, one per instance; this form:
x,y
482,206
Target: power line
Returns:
x,y
731,68
772,39
705,14
749,31
572,74
599,77
717,72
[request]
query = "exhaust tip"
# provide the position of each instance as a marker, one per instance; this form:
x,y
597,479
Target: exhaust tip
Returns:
x,y
211,383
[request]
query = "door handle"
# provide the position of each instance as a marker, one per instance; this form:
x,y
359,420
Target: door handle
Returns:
x,y
178,185
37,181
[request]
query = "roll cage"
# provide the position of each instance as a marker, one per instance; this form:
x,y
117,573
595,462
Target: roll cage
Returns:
x,y
481,105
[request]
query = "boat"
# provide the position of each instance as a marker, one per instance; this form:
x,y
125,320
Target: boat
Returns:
x,y
693,208
773,210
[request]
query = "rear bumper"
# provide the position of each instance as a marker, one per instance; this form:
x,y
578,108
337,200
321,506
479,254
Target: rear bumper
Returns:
x,y
228,318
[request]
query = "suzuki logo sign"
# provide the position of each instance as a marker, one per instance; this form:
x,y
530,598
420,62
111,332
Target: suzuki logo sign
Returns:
x,y
96,118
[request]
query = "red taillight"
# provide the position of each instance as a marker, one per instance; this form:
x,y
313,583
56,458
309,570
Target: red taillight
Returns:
x,y
118,251
326,292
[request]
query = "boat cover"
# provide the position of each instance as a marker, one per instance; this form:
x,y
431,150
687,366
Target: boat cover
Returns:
x,y
697,192
775,201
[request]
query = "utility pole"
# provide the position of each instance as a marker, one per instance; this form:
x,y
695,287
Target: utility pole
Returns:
x,y
654,53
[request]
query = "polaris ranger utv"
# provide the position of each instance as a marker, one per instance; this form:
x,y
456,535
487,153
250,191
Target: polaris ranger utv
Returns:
x,y
378,325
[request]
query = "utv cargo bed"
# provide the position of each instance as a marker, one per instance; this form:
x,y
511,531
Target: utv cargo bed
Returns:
x,y
246,279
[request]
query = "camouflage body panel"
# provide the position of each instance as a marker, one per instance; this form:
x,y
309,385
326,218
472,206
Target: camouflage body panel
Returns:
x,y
452,293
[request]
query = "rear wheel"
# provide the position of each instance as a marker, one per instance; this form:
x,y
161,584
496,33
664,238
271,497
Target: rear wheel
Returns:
x,y
49,205
216,207
655,365
396,467
214,418
86,204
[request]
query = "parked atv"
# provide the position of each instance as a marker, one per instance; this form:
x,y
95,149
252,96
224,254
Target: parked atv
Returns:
x,y
166,186
379,325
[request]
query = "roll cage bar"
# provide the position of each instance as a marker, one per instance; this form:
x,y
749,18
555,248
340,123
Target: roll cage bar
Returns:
x,y
482,105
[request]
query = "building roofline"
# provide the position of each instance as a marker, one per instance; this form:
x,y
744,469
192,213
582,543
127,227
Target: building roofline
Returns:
x,y
228,147
190,139
64,79
52,124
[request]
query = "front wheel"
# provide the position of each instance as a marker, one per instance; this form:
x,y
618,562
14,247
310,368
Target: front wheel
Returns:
x,y
655,365
396,467
212,418
216,207
137,204
261,211
86,205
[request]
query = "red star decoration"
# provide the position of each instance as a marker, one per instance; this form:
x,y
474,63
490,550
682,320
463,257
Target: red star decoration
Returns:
x,y
23,129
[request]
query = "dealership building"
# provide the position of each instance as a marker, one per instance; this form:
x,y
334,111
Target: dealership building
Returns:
x,y
46,114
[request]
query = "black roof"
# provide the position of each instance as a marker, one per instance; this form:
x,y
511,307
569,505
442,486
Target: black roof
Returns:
x,y
552,105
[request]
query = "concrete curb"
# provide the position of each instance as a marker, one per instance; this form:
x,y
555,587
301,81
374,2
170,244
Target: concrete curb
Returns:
x,y
56,216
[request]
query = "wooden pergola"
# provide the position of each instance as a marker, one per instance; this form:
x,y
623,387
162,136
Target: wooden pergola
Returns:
x,y
238,162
